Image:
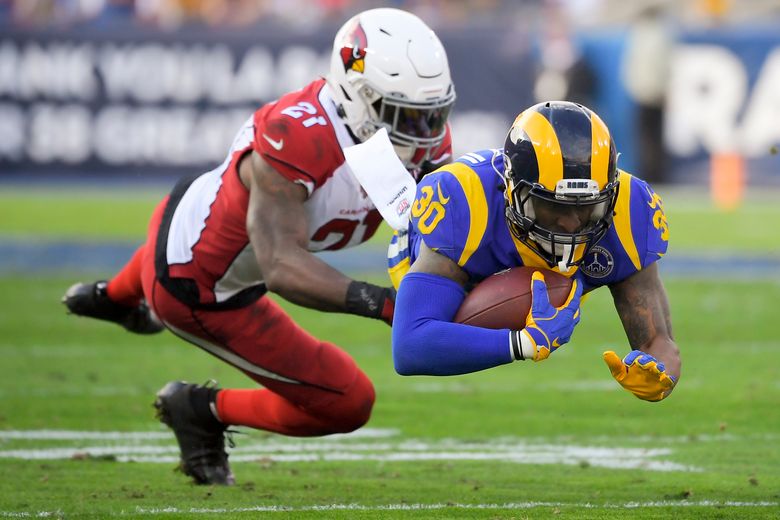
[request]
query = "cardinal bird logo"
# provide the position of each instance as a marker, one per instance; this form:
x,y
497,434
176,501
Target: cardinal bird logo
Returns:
x,y
353,49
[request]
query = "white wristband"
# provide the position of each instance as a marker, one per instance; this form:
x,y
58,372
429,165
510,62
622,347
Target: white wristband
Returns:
x,y
528,345
521,346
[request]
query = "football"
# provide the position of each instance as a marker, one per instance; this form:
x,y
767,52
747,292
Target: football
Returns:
x,y
503,300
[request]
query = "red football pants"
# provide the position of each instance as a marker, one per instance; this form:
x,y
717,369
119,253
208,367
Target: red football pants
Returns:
x,y
311,387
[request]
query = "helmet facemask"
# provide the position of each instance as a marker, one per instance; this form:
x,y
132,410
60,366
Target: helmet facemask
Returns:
x,y
534,215
416,129
410,124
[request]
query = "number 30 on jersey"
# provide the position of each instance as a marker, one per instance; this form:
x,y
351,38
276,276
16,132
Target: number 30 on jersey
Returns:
x,y
429,212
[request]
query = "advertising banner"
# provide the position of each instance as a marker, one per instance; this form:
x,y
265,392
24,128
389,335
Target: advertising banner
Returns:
x,y
129,103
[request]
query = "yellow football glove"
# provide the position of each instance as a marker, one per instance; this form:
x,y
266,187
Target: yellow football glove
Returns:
x,y
641,374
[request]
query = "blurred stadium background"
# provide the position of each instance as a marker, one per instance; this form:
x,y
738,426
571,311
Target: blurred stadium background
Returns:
x,y
145,88
134,93
104,103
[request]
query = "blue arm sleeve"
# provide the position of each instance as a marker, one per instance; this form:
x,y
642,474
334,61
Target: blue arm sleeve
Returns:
x,y
426,342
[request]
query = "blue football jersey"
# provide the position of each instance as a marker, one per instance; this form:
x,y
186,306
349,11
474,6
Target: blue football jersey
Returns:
x,y
459,213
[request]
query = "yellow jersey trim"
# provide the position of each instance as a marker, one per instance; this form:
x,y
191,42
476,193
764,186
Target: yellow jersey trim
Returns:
x,y
623,219
398,271
472,187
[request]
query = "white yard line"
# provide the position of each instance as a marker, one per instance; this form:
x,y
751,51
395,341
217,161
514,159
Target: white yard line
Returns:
x,y
279,442
426,507
408,507
560,458
368,444
385,448
163,434
56,392
74,435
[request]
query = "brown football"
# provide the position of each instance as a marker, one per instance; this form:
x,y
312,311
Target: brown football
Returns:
x,y
502,301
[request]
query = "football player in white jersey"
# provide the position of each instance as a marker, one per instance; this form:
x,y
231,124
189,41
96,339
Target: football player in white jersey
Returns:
x,y
221,239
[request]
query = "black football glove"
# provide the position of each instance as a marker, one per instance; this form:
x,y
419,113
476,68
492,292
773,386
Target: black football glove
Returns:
x,y
372,301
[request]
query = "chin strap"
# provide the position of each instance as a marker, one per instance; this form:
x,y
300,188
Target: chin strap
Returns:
x,y
563,265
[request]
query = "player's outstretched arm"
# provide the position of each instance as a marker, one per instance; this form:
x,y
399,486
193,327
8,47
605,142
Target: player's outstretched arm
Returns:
x,y
278,231
652,369
426,342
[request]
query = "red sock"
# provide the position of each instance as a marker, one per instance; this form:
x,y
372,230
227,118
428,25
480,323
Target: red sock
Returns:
x,y
266,410
125,287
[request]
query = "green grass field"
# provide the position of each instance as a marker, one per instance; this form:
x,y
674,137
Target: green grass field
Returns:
x,y
558,439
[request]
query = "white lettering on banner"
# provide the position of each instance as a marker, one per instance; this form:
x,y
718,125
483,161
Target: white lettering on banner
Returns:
x,y
218,80
58,71
254,77
707,87
116,75
760,128
164,136
9,69
59,133
154,72
117,134
297,64
12,127
710,107
137,103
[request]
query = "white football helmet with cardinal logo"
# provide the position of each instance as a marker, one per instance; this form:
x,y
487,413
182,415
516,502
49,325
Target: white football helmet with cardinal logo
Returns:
x,y
389,70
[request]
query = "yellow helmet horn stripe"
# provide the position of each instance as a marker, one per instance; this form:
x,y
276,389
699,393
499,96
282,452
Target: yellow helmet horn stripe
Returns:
x,y
546,146
600,148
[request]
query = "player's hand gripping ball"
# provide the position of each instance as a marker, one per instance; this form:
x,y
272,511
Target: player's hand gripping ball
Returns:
x,y
548,327
545,307
503,300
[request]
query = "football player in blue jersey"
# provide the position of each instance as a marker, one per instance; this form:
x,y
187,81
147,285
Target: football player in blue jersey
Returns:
x,y
552,198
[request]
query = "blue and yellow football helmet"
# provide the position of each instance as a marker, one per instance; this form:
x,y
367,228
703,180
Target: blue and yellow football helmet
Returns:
x,y
560,174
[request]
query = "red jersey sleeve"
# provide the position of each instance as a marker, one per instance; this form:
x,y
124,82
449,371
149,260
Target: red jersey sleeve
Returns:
x,y
295,136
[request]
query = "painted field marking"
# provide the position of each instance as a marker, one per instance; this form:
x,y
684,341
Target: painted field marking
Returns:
x,y
162,434
371,445
142,511
279,442
426,507
405,507
74,435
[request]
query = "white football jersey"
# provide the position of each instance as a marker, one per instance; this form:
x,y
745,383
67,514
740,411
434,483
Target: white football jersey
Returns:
x,y
302,137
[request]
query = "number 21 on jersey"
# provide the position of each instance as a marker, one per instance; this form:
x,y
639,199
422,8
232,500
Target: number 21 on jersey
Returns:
x,y
302,109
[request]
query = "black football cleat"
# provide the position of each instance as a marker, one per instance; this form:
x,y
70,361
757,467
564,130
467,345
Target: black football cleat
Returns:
x,y
91,300
186,409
